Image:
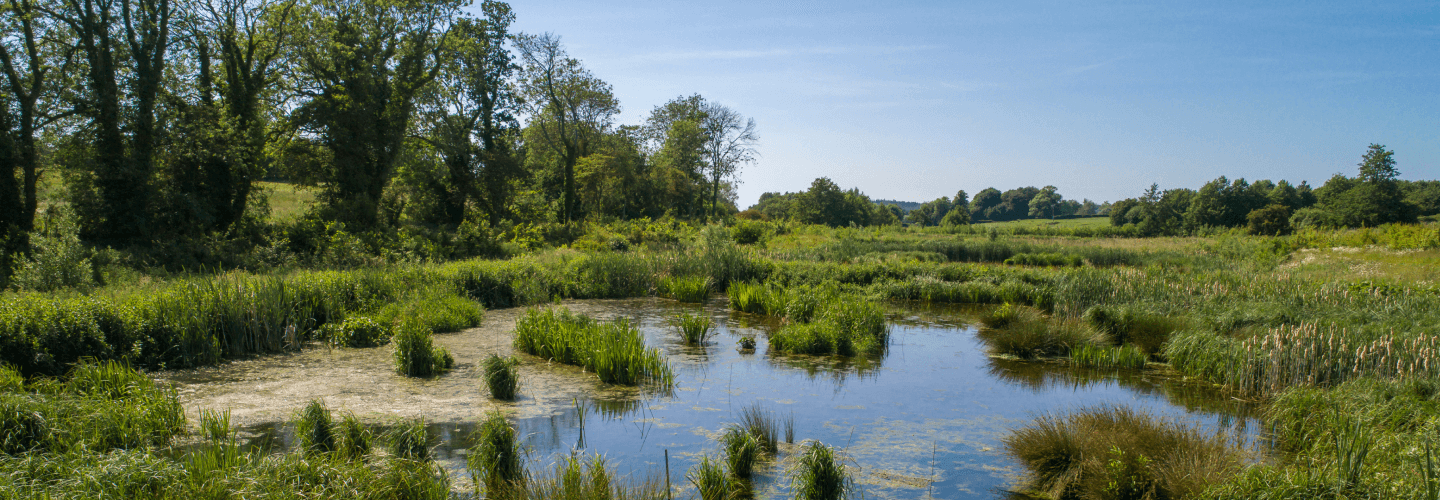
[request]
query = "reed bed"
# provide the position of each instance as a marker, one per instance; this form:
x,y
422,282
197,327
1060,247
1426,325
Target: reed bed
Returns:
x,y
691,289
1301,355
99,407
575,478
1116,452
614,350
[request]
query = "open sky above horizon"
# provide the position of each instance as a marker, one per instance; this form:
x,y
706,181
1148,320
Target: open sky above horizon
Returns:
x,y
916,100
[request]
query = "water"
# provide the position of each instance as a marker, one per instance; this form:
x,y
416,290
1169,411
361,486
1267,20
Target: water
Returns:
x,y
925,419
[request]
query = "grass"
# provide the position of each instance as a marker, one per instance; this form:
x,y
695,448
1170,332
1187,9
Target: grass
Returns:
x,y
98,407
440,313
1107,357
495,459
358,331
354,439
288,201
502,377
416,355
692,289
1027,334
819,475
614,350
694,328
742,450
575,478
315,429
760,423
710,480
822,320
409,440
1116,452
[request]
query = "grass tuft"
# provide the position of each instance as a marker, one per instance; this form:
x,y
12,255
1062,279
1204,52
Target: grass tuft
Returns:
x,y
760,423
409,440
692,289
742,450
314,429
495,459
710,480
694,328
416,355
502,376
1108,358
818,475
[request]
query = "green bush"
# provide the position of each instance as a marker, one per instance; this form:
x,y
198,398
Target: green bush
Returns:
x,y
416,355
502,376
747,232
57,259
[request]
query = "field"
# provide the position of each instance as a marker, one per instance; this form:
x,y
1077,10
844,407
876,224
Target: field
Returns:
x,y
1223,366
287,201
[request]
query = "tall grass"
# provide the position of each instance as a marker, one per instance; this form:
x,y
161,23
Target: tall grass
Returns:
x,y
353,438
575,478
710,480
1029,335
502,376
760,423
416,355
1108,358
742,450
1116,452
823,320
694,328
693,289
357,331
819,475
409,440
10,379
440,313
315,429
101,406
495,459
613,350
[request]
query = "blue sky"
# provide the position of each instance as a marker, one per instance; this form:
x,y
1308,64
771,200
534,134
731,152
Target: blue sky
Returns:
x,y
916,100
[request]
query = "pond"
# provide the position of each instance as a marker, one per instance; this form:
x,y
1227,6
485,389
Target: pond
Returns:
x,y
925,420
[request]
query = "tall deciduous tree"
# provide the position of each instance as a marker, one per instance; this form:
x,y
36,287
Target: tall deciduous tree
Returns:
x,y
570,108
368,62
730,142
119,41
28,41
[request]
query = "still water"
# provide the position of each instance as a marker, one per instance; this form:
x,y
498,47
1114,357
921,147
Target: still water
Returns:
x,y
924,420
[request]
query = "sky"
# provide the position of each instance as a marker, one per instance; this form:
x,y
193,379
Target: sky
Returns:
x,y
917,100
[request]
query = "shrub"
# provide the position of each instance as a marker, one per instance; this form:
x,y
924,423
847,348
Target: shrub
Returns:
x,y
502,376
494,461
415,354
694,328
748,232
614,350
57,260
817,475
359,331
1142,457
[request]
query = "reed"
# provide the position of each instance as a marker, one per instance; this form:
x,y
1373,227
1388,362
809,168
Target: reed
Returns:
x,y
353,439
1108,358
614,350
1032,336
759,422
819,475
495,460
357,331
502,376
694,328
440,313
416,355
575,478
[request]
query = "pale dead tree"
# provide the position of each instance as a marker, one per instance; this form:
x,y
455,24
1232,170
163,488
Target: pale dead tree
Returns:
x,y
730,142
568,106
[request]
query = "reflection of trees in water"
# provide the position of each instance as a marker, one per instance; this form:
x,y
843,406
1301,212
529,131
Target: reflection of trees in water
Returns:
x,y
1230,414
837,369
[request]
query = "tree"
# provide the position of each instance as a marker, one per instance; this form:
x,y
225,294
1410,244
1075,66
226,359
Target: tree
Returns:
x,y
730,141
1273,220
122,119
983,202
369,62
961,200
1046,201
26,45
570,108
1378,165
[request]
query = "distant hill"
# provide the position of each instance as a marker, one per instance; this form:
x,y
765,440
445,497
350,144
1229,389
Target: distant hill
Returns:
x,y
904,205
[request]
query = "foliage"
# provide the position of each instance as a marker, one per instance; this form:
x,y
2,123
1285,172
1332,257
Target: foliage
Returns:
x,y
57,259
359,331
315,429
691,289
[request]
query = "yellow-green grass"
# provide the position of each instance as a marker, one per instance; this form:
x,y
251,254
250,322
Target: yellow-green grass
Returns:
x,y
1086,223
288,201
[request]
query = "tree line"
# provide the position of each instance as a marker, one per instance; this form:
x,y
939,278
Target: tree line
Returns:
x,y
1373,197
826,203
158,119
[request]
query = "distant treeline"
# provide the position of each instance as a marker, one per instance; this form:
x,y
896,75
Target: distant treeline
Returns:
x,y
1372,198
825,203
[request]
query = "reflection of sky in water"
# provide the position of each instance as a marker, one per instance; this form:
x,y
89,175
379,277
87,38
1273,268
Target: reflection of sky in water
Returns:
x,y
935,407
